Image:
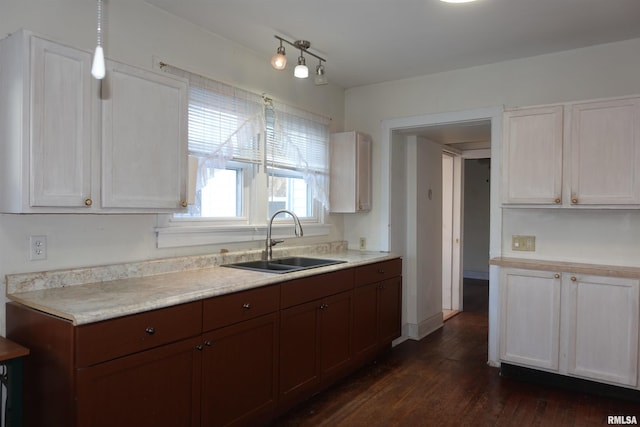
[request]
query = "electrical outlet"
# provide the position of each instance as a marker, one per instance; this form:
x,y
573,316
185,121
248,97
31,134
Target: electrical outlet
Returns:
x,y
37,248
523,243
363,243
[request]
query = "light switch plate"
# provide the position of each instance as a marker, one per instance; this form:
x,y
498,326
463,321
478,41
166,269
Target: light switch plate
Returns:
x,y
523,243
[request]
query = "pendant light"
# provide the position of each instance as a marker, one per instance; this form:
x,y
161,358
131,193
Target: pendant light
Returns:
x,y
98,68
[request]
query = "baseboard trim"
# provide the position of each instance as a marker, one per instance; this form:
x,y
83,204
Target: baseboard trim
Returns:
x,y
418,331
568,383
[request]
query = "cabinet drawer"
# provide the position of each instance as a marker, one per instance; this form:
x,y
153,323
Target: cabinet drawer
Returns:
x,y
309,288
98,342
228,309
377,272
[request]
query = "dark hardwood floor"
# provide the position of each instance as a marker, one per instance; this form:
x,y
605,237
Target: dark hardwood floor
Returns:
x,y
444,380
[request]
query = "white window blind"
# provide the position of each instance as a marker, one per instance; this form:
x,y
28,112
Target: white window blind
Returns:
x,y
225,123
297,139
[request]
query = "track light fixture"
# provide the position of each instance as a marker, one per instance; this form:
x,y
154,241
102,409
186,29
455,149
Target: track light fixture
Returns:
x,y
301,71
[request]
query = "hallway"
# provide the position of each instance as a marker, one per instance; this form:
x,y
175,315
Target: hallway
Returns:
x,y
444,380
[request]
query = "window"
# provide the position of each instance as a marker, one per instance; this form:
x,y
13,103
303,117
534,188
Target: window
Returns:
x,y
221,195
289,190
255,156
297,160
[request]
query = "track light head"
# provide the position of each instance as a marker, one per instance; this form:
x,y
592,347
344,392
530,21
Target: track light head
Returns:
x,y
279,60
301,71
320,77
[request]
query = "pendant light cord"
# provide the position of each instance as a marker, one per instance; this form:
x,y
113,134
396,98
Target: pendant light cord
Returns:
x,y
99,22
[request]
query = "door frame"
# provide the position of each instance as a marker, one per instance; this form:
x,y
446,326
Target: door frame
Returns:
x,y
394,239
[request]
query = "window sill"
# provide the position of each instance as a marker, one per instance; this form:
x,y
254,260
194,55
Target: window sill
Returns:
x,y
196,235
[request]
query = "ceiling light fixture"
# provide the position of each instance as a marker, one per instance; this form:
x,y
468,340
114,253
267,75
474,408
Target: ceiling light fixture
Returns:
x,y
301,71
98,68
457,1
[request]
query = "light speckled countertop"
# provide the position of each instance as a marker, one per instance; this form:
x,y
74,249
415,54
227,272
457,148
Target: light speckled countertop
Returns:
x,y
568,267
93,302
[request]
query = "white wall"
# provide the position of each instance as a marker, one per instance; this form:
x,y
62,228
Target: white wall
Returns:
x,y
600,71
134,32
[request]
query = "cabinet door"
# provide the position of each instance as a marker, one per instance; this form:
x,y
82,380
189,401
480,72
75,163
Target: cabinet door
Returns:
x,y
144,139
605,152
603,328
377,312
532,154
299,342
389,310
152,388
239,372
61,131
365,321
335,336
363,172
530,318
350,172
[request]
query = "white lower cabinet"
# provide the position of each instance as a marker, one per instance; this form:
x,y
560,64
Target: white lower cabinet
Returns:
x,y
602,327
579,325
531,318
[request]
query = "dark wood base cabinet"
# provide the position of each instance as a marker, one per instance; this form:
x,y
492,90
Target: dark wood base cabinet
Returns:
x,y
156,387
235,360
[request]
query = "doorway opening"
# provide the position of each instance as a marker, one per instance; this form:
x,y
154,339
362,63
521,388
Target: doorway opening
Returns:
x,y
465,213
412,188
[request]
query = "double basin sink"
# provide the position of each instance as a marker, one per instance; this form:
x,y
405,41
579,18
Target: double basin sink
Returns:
x,y
284,265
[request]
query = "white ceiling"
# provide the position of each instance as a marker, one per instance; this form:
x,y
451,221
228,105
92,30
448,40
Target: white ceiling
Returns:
x,y
371,41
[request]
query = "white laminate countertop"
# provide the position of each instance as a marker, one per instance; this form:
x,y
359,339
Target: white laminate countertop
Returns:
x,y
568,267
93,302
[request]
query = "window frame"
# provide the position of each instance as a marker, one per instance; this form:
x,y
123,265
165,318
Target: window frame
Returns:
x,y
251,226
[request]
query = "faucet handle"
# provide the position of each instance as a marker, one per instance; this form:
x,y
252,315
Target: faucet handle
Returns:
x,y
275,242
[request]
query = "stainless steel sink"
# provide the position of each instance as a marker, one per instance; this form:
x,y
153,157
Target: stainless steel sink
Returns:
x,y
284,265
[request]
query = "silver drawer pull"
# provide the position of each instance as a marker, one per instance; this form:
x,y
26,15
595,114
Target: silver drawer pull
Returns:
x,y
246,306
381,271
150,330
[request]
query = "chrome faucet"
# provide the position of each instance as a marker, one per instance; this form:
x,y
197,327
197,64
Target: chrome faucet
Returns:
x,y
270,243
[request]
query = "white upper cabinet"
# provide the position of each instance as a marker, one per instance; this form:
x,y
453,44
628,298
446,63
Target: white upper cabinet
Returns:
x,y
52,156
60,132
533,156
350,172
580,154
46,112
605,152
144,139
